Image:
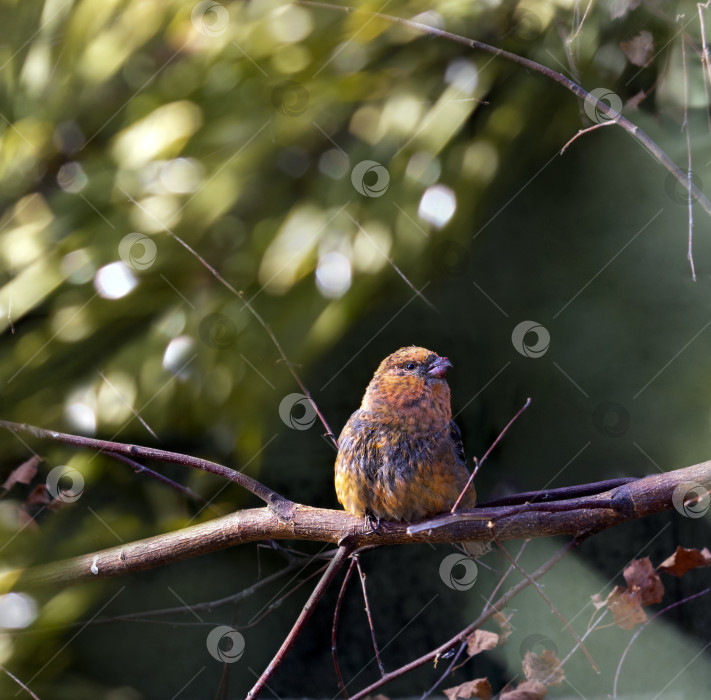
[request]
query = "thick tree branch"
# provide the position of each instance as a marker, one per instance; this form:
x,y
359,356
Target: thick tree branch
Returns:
x,y
638,499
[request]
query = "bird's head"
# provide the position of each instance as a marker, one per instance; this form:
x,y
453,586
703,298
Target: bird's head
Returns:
x,y
410,387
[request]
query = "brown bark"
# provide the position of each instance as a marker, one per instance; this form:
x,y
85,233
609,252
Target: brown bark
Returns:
x,y
584,515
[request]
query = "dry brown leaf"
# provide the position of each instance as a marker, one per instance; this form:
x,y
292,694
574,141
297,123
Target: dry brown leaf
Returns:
x,y
481,640
505,625
528,690
642,576
478,688
626,607
544,668
22,474
684,560
379,696
639,49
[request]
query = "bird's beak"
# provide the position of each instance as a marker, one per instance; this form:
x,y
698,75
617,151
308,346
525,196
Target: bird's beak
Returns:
x,y
439,367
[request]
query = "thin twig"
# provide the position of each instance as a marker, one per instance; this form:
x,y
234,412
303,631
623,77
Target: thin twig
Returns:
x,y
141,469
334,628
248,305
591,628
479,462
19,682
506,575
585,131
461,636
685,126
463,645
370,616
643,627
705,59
582,21
553,608
340,558
243,298
567,47
447,671
417,291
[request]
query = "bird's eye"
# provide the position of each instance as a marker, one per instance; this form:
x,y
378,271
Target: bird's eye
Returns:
x,y
410,365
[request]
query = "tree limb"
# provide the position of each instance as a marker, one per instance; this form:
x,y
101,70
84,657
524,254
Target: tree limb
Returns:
x,y
645,496
632,129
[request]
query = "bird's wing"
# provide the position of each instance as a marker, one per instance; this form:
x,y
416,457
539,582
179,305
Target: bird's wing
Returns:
x,y
456,435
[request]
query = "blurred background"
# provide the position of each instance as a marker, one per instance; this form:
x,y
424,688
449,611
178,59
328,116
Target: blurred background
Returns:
x,y
365,187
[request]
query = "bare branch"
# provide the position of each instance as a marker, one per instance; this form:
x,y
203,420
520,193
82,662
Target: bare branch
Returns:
x,y
638,499
479,462
555,610
341,557
581,132
271,498
644,626
370,617
632,129
457,639
334,628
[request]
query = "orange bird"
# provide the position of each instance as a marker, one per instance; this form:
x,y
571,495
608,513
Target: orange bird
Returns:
x,y
400,455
